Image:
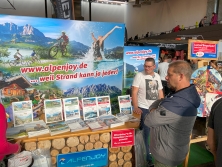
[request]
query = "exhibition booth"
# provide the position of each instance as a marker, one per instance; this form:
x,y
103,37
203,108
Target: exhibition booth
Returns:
x,y
54,72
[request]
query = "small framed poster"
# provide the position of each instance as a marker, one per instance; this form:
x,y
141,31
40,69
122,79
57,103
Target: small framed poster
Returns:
x,y
202,49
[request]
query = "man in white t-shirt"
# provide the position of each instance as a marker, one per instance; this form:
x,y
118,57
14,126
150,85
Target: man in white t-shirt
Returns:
x,y
162,70
146,88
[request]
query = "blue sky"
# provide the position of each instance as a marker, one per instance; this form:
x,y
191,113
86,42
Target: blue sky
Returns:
x,y
79,31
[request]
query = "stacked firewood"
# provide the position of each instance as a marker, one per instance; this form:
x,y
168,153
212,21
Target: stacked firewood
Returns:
x,y
117,156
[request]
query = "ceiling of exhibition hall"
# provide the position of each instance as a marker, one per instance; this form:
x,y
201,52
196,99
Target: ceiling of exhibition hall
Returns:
x,y
7,4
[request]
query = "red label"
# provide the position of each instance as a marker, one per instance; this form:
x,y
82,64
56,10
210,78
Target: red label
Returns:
x,y
121,138
203,47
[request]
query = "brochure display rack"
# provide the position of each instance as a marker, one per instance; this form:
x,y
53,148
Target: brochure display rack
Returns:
x,y
84,140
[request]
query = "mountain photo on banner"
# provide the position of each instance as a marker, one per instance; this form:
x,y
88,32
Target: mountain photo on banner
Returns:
x,y
60,58
134,57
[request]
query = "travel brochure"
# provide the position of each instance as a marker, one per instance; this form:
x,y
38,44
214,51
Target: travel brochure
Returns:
x,y
16,132
96,124
77,125
97,115
36,128
58,128
125,105
104,106
89,106
127,117
111,121
53,110
71,108
22,112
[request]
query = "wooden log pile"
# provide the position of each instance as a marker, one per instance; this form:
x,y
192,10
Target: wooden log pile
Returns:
x,y
120,156
117,156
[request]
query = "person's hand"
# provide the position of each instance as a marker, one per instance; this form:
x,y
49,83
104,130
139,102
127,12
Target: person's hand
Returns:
x,y
19,143
137,110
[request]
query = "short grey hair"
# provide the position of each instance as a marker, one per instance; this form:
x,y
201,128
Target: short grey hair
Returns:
x,y
181,67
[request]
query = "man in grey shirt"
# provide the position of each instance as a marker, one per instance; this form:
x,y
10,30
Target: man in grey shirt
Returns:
x,y
171,119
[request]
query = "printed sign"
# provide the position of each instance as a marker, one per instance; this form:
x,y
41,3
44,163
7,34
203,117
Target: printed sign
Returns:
x,y
202,49
134,57
121,138
95,158
60,58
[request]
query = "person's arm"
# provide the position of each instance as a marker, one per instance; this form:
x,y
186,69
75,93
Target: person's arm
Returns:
x,y
93,37
161,95
211,141
160,89
105,36
135,90
160,116
6,148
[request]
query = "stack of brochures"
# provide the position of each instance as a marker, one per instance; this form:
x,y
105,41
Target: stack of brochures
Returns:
x,y
58,128
127,117
16,133
36,128
96,124
77,125
111,121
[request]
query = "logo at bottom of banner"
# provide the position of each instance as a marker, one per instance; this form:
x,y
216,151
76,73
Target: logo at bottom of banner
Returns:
x,y
95,158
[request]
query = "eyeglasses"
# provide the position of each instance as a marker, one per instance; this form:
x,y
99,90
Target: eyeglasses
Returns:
x,y
148,66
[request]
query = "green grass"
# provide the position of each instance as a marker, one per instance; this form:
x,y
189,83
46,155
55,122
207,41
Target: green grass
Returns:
x,y
198,155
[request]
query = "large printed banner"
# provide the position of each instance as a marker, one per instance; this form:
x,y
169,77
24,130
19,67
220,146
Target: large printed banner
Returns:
x,y
59,58
134,57
202,49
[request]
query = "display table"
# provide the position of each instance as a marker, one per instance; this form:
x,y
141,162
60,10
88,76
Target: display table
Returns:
x,y
84,140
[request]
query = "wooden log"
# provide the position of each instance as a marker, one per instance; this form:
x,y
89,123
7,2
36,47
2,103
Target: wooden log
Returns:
x,y
73,149
112,157
128,164
54,152
120,162
114,150
58,143
94,137
105,137
30,146
84,139
127,156
105,145
65,150
98,144
89,146
72,141
80,147
120,155
44,144
113,164
53,159
126,149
